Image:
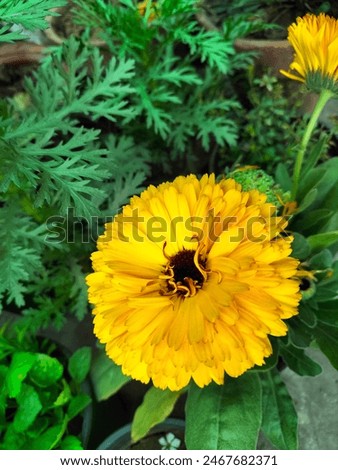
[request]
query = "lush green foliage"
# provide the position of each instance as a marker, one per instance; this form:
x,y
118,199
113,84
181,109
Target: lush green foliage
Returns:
x,y
40,393
167,94
25,15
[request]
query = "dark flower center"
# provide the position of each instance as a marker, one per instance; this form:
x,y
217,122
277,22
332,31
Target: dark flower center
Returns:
x,y
184,274
304,284
183,266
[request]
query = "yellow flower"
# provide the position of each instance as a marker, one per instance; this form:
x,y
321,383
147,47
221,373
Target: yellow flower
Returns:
x,y
315,41
189,281
142,7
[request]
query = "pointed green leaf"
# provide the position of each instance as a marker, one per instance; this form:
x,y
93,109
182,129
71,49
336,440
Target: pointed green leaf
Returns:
x,y
328,312
77,405
79,364
106,376
21,364
224,416
306,314
46,370
319,241
300,246
282,177
327,339
29,407
279,422
155,408
299,362
49,438
321,260
299,333
309,198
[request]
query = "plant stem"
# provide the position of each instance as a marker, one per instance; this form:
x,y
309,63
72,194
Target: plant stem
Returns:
x,y
324,97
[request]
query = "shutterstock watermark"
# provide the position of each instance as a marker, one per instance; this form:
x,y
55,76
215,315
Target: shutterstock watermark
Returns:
x,y
138,228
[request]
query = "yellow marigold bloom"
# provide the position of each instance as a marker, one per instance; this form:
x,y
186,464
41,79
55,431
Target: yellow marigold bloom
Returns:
x,y
189,281
315,41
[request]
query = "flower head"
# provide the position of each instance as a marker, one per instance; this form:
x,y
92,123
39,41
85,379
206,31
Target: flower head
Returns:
x,y
315,41
189,281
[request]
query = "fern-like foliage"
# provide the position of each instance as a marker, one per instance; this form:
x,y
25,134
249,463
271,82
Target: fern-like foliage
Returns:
x,y
53,159
27,14
48,149
22,243
181,73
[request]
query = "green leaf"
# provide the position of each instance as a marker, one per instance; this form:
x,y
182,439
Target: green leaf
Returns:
x,y
21,364
224,417
282,177
79,364
64,396
46,370
299,362
156,407
300,246
279,422
107,377
327,312
317,150
71,443
313,220
327,339
308,199
323,178
29,406
320,241
77,405
31,14
321,260
306,314
299,333
50,438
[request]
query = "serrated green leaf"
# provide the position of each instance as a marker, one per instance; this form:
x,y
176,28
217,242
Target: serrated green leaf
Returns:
x,y
79,364
31,14
224,417
280,421
156,407
46,370
21,364
299,362
29,406
106,376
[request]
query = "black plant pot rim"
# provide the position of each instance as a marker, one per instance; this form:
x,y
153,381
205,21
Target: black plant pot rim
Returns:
x,y
121,439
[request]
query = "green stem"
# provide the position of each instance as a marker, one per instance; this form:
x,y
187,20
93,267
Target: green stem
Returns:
x,y
324,97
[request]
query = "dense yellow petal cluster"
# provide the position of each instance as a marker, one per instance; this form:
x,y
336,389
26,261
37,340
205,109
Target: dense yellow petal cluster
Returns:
x,y
315,41
189,281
